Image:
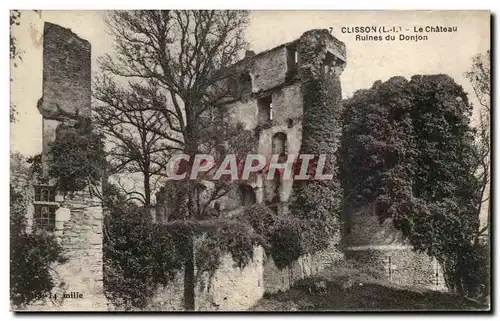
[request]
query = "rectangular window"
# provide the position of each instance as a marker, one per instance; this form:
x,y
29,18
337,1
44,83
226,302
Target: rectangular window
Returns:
x,y
45,194
45,217
292,58
265,105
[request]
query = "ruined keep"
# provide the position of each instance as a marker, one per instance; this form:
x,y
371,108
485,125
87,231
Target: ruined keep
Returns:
x,y
267,98
75,220
270,95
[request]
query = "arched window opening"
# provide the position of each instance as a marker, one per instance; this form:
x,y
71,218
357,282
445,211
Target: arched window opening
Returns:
x,y
247,195
245,83
279,144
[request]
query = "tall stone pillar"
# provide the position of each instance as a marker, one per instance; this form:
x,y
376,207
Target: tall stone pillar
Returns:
x,y
76,220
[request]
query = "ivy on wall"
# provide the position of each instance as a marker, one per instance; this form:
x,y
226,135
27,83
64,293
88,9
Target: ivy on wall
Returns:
x,y
77,156
408,147
315,205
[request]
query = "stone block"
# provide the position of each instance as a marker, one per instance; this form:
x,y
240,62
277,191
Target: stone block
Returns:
x,y
63,214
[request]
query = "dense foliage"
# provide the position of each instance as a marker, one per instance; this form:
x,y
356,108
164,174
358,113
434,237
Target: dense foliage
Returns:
x,y
408,147
479,76
31,257
77,156
315,204
138,255
195,47
227,237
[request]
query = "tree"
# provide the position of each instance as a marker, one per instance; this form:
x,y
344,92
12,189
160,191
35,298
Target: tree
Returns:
x,y
377,125
411,152
184,53
480,78
15,54
132,122
444,178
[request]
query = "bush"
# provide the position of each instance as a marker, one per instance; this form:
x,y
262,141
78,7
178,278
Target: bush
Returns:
x,y
139,256
261,218
31,257
286,241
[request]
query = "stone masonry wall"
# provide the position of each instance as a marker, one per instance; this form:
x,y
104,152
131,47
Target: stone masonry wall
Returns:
x,y
236,289
66,73
66,81
79,216
276,280
78,229
382,251
230,289
400,265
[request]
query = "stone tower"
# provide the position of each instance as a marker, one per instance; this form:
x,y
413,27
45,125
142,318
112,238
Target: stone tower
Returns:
x,y
268,96
75,220
66,80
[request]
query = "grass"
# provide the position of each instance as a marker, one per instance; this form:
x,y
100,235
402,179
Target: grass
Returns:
x,y
348,289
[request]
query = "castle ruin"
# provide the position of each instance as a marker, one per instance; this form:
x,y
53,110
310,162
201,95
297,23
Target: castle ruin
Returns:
x,y
268,98
75,220
270,101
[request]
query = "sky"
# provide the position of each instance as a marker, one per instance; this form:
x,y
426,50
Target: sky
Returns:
x,y
367,61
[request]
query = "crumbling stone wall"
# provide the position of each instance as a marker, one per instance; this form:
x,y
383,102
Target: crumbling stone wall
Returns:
x,y
229,289
66,73
67,78
276,279
270,76
79,216
381,250
268,69
400,265
289,87
79,231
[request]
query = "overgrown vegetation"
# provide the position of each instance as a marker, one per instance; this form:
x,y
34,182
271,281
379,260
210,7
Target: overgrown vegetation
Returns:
x,y
15,53
138,255
315,205
31,257
77,156
345,288
180,54
408,146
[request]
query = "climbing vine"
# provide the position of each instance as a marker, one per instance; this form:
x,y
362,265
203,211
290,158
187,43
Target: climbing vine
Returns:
x,y
408,148
234,237
315,205
77,156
